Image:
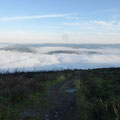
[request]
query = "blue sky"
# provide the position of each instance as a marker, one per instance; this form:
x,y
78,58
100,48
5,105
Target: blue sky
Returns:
x,y
58,21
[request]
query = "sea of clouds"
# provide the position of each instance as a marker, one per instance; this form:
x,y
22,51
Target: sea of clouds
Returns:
x,y
46,58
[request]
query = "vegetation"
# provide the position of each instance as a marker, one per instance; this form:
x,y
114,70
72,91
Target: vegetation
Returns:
x,y
61,95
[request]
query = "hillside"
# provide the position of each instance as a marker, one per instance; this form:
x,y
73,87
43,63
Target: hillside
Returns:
x,y
61,95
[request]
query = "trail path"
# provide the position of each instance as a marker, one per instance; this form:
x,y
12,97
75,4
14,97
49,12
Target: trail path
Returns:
x,y
62,96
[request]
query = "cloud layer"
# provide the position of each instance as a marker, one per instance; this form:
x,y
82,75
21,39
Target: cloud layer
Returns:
x,y
40,59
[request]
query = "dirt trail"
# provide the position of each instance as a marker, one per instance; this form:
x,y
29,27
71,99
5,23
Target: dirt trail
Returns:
x,y
62,96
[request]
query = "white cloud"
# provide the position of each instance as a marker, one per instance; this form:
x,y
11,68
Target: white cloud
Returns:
x,y
95,26
104,23
93,22
33,17
112,10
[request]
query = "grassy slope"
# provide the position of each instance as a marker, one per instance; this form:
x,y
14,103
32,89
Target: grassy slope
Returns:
x,y
46,96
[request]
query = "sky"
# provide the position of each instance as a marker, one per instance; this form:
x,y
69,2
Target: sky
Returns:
x,y
60,21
